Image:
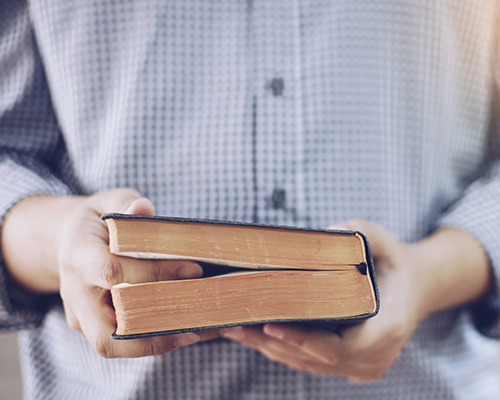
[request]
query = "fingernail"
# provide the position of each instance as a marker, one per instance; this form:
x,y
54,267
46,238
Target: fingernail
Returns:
x,y
190,270
186,339
272,331
131,207
235,333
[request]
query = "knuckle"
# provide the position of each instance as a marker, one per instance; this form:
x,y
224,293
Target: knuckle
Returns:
x,y
398,334
156,347
152,349
125,196
157,272
72,322
102,349
111,272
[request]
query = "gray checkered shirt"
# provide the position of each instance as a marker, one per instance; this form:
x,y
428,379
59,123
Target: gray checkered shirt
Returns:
x,y
288,112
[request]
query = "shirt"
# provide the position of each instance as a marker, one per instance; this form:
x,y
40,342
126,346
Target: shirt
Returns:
x,y
302,113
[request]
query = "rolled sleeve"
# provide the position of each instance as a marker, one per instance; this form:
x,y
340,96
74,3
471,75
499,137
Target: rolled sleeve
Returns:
x,y
478,213
32,152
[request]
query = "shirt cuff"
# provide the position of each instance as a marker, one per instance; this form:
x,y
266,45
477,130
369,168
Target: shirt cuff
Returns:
x,y
478,213
20,309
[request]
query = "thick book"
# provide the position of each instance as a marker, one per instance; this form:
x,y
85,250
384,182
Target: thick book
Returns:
x,y
253,274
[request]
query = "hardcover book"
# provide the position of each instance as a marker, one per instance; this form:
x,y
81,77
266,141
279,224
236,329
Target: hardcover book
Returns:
x,y
253,274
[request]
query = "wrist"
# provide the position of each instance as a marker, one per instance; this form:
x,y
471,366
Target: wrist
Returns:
x,y
30,238
452,269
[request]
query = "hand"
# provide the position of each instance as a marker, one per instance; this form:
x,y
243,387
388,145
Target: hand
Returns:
x,y
408,283
84,270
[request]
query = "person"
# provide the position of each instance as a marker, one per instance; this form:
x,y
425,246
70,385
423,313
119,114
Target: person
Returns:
x,y
378,116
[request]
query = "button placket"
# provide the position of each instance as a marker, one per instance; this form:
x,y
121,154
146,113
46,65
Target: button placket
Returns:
x,y
276,122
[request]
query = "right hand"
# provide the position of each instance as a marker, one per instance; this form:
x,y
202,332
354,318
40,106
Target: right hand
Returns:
x,y
87,271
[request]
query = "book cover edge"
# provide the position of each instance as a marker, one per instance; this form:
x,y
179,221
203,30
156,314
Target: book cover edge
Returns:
x,y
222,222
369,261
328,323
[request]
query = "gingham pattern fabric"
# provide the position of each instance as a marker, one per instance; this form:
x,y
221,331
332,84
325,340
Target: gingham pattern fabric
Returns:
x,y
274,111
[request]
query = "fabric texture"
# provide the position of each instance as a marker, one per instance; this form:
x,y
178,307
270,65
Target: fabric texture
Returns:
x,y
302,113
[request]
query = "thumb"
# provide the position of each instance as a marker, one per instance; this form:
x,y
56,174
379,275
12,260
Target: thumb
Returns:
x,y
380,239
141,206
122,200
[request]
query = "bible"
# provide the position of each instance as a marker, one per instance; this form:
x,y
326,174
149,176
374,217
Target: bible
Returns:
x,y
253,274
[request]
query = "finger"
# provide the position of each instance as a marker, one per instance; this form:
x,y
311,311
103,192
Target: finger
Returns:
x,y
325,345
302,364
141,206
380,239
98,323
71,318
318,343
141,271
253,336
109,270
351,356
88,216
357,369
121,200
257,339
278,350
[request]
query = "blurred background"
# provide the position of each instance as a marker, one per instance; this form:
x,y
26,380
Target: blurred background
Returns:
x,y
10,370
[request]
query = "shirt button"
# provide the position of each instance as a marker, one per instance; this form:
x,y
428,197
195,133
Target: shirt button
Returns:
x,y
278,199
277,86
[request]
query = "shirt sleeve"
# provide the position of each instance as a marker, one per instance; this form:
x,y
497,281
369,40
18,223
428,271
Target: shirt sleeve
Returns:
x,y
478,213
32,150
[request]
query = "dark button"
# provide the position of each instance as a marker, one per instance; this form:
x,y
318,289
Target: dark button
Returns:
x,y
278,199
277,86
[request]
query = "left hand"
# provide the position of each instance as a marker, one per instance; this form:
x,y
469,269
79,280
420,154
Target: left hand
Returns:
x,y
365,351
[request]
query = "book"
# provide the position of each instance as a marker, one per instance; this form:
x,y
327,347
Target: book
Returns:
x,y
253,274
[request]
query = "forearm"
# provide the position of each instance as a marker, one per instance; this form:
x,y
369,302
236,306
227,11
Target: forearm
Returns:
x,y
447,269
452,268
29,240
61,244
